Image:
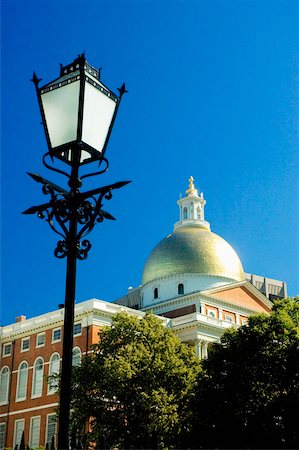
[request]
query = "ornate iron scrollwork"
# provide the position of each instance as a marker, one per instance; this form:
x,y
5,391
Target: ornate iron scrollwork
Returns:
x,y
84,207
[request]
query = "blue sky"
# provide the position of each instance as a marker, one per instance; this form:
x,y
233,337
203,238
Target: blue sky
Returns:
x,y
213,93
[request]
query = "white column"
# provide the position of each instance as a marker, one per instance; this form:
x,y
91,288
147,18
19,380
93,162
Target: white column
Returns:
x,y
204,350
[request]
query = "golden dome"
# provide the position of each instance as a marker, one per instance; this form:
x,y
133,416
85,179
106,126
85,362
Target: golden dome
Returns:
x,y
193,249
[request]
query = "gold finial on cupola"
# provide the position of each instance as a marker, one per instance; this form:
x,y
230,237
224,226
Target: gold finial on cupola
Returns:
x,y
191,189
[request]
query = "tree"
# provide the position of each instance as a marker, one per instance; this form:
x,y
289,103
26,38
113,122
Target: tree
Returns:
x,y
134,389
248,392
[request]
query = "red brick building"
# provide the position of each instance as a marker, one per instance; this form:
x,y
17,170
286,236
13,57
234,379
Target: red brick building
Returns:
x,y
30,351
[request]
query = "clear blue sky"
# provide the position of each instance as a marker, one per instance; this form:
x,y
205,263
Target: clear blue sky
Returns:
x,y
213,93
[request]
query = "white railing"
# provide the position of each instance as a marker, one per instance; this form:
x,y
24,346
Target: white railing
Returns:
x,y
202,318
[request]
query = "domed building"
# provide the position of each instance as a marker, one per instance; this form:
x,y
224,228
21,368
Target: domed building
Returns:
x,y
195,278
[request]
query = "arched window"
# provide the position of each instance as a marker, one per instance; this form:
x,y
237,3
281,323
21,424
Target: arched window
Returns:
x,y
185,213
156,293
38,373
54,367
76,359
4,383
22,381
181,289
198,213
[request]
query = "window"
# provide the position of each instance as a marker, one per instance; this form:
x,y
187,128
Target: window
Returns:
x,y
76,360
156,293
25,344
34,432
2,429
6,349
185,213
180,289
41,339
51,429
211,313
38,372
22,381
56,335
54,368
77,329
228,318
4,383
19,428
198,213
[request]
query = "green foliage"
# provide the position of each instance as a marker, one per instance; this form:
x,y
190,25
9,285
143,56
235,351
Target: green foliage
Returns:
x,y
135,388
248,392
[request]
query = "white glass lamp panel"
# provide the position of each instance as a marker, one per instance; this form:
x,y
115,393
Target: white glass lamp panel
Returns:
x,y
97,117
61,111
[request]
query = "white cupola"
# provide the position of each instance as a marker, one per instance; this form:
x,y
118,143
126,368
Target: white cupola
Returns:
x,y
192,208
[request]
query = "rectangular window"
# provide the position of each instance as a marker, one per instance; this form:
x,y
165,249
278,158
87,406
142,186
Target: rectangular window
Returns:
x,y
77,329
56,335
6,349
25,344
51,429
41,339
34,432
19,428
2,430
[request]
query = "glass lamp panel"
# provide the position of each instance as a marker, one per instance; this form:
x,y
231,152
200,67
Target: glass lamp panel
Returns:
x,y
97,116
61,111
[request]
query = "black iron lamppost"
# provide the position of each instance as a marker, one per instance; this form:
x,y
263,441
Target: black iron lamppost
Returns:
x,y
78,112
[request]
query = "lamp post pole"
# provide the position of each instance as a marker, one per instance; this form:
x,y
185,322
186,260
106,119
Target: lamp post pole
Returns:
x,y
69,309
70,213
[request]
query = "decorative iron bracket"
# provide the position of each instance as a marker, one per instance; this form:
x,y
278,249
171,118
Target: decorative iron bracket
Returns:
x,y
63,205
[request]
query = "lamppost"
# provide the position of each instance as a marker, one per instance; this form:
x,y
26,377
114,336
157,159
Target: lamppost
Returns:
x,y
78,112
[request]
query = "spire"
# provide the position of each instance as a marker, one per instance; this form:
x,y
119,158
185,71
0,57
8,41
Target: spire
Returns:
x,y
192,208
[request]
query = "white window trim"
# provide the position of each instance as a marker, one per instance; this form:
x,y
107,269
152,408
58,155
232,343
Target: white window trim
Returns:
x,y
30,430
37,344
33,376
21,399
15,429
78,323
25,349
47,425
49,373
4,346
7,387
56,340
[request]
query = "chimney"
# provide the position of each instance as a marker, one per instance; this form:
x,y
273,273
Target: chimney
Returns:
x,y
20,318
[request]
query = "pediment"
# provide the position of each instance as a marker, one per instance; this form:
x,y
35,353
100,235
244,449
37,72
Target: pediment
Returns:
x,y
242,294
